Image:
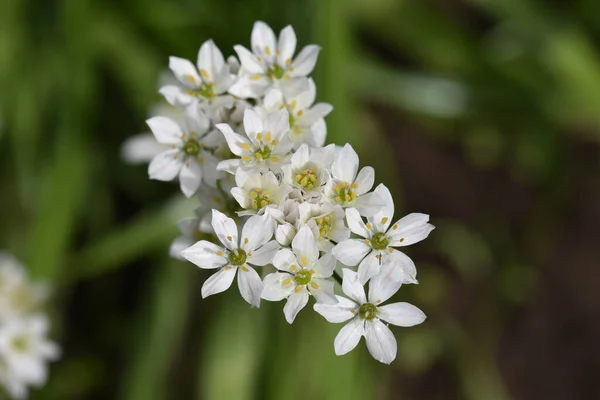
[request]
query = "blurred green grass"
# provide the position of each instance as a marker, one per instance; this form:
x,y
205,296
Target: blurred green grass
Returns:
x,y
78,77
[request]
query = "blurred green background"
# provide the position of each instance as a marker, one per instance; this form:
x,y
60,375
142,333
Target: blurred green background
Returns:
x,y
483,113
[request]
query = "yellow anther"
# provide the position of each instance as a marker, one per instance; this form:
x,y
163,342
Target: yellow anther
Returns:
x,y
353,311
293,104
314,285
220,253
275,159
246,158
201,159
395,227
253,194
297,131
354,186
298,288
401,240
286,282
288,61
303,261
191,78
378,301
255,77
264,203
391,250
245,240
312,271
229,238
258,156
259,136
384,220
204,73
300,113
268,136
274,142
267,51
298,177
278,52
228,267
369,227
367,241
245,269
245,146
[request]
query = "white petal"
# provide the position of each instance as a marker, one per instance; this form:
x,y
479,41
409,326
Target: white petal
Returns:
x,y
383,218
351,252
319,110
195,119
305,247
296,302
178,245
286,45
340,312
369,267
141,149
352,287
225,229
263,41
284,259
385,284
218,282
250,87
380,341
401,314
411,229
349,336
318,133
292,87
405,266
284,234
257,231
274,290
252,123
236,142
365,180
242,197
165,166
278,123
176,96
322,290
306,99
369,204
250,285
210,61
184,71
249,61
273,100
325,265
265,254
356,223
230,166
190,177
345,166
205,255
165,130
305,61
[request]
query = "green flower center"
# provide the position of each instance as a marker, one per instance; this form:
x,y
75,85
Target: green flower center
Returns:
x,y
292,119
379,241
191,147
237,257
207,91
324,225
276,72
306,178
263,154
367,311
345,192
20,343
303,277
260,198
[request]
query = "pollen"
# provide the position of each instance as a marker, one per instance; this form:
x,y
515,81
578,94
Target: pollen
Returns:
x,y
286,282
229,238
303,261
268,136
312,271
293,268
259,136
288,61
245,269
204,73
293,104
268,50
245,240
298,288
278,52
191,78
369,227
314,285
401,240
255,77
300,113
228,267
220,253
245,146
383,221
246,158
395,227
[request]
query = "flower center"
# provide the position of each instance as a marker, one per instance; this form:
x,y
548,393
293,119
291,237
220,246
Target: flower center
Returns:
x,y
275,72
20,344
292,119
367,311
263,153
191,147
303,277
260,198
324,225
207,91
379,241
345,192
237,257
306,178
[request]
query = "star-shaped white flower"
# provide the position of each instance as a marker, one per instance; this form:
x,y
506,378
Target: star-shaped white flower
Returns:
x,y
254,247
380,240
307,170
302,274
190,157
349,189
367,316
255,192
25,351
207,86
307,123
192,230
271,63
327,223
264,147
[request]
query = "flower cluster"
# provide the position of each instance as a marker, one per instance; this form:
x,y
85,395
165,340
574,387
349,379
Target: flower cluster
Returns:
x,y
24,347
249,141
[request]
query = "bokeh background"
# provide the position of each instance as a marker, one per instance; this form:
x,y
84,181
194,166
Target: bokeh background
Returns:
x,y
483,113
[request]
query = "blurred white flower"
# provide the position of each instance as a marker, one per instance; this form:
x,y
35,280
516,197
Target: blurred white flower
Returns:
x,y
367,316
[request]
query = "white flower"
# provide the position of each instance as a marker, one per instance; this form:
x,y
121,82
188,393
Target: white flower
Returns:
x,y
327,223
266,144
378,246
18,296
190,156
24,353
192,230
367,317
255,192
253,248
307,170
302,273
307,123
272,64
348,189
205,86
